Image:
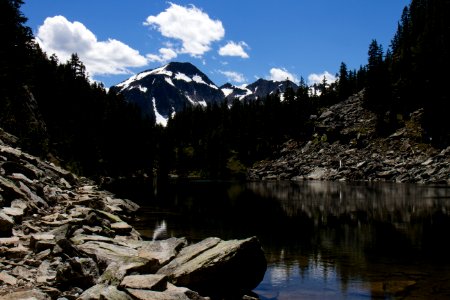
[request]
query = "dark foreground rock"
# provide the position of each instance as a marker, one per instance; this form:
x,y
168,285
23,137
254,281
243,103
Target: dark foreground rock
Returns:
x,y
63,238
346,148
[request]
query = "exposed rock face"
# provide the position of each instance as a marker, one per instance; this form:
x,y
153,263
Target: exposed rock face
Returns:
x,y
62,237
345,148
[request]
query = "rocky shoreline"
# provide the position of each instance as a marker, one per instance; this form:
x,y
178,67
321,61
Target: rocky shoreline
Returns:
x,y
61,237
345,148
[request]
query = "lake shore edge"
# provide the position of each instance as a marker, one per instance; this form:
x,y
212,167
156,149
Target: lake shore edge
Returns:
x,y
62,237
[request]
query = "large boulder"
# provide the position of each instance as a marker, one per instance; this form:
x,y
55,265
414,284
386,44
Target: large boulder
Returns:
x,y
216,266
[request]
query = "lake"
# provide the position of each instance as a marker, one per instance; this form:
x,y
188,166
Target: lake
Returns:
x,y
322,240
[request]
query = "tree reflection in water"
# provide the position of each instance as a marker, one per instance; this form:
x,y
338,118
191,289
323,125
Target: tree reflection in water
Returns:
x,y
368,240
323,240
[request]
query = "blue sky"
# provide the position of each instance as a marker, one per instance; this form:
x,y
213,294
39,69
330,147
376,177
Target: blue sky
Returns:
x,y
231,41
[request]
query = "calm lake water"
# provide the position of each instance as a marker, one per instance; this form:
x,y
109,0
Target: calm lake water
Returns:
x,y
322,240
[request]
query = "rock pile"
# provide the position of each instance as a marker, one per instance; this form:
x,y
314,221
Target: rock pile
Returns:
x,y
63,238
345,148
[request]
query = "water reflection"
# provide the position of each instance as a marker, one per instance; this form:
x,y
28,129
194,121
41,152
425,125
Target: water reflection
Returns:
x,y
323,240
367,240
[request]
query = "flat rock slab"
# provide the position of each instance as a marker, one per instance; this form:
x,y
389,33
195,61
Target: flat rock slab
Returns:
x,y
189,253
125,259
163,251
121,227
30,294
222,266
8,241
40,242
13,212
82,238
101,292
145,282
6,278
102,249
171,293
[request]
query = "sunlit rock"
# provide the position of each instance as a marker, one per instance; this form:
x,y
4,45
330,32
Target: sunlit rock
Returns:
x,y
146,282
222,266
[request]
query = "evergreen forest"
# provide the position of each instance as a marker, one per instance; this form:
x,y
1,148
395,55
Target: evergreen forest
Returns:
x,y
59,114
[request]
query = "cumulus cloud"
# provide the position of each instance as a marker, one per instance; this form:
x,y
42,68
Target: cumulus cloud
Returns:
x,y
233,76
277,74
318,78
61,37
234,49
189,25
165,54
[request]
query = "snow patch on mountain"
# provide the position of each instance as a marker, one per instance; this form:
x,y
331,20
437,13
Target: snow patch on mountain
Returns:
x,y
142,88
169,81
181,76
159,71
248,93
190,99
227,91
160,119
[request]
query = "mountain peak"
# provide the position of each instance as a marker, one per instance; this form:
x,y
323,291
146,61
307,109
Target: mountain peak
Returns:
x,y
166,90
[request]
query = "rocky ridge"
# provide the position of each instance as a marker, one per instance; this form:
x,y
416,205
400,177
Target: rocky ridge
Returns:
x,y
345,148
63,238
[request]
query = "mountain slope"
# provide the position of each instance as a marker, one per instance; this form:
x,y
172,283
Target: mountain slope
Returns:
x,y
346,147
164,91
257,90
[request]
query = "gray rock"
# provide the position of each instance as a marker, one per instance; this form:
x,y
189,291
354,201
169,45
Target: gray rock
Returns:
x,y
17,252
9,241
7,278
101,292
45,272
42,241
172,293
125,205
145,282
317,174
22,272
30,195
81,272
125,257
163,251
6,224
33,294
221,266
17,203
14,212
121,227
10,191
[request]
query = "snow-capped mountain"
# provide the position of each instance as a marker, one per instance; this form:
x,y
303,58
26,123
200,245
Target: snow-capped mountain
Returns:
x,y
259,89
164,91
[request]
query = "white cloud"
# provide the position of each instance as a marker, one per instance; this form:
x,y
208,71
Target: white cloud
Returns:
x,y
277,74
59,36
234,49
190,25
318,78
233,76
165,54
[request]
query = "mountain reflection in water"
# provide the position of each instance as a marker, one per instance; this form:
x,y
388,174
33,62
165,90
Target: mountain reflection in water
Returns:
x,y
323,240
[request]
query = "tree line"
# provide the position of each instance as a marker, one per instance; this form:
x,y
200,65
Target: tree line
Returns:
x,y
410,74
